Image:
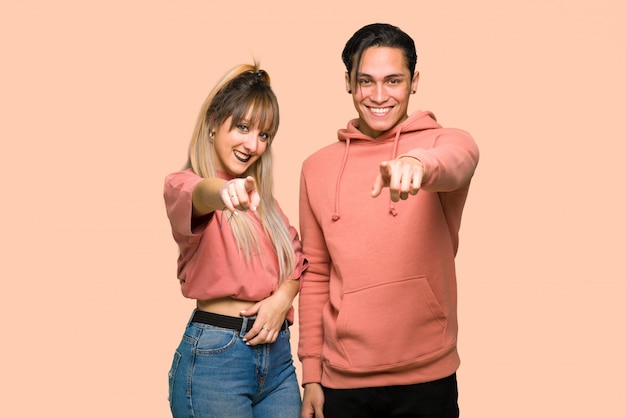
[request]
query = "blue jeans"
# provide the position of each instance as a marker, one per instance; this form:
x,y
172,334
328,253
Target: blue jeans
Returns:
x,y
215,374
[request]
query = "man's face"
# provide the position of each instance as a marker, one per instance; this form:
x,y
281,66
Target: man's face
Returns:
x,y
381,89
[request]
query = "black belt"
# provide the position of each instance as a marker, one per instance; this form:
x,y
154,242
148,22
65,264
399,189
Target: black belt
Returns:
x,y
224,321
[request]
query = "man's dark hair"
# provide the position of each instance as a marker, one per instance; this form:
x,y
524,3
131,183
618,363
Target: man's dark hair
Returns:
x,y
378,34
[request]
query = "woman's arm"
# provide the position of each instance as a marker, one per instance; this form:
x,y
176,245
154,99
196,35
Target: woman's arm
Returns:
x,y
213,194
206,196
270,313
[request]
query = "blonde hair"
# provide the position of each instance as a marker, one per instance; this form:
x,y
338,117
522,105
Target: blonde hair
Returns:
x,y
245,90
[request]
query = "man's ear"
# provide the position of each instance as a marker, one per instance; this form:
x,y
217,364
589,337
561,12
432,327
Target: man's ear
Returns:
x,y
416,78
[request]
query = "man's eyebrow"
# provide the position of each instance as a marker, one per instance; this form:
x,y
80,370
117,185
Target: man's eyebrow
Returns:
x,y
396,75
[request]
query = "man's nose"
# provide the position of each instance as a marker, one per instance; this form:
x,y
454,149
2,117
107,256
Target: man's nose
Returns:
x,y
379,93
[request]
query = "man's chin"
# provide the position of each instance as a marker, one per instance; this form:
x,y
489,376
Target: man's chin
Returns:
x,y
376,129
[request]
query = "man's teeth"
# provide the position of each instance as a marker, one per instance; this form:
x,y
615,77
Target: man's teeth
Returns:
x,y
379,110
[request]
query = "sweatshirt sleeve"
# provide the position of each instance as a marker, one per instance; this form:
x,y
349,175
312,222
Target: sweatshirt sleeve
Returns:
x,y
301,262
177,192
450,163
314,287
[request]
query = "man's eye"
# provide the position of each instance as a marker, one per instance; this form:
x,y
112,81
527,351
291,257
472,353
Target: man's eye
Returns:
x,y
364,81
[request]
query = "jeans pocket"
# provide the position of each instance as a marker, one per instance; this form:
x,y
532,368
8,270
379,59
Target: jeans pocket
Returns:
x,y
172,374
213,340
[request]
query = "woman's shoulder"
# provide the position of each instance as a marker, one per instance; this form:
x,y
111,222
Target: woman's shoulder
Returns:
x,y
181,175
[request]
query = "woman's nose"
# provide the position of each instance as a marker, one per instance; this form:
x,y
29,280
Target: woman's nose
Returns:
x,y
251,142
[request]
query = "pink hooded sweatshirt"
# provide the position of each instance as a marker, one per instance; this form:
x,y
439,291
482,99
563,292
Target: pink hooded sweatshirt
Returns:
x,y
378,302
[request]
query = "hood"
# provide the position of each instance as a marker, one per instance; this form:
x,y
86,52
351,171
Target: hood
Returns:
x,y
418,121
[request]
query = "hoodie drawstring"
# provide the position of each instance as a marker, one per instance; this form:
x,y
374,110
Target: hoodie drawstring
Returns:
x,y
394,153
417,122
336,215
392,206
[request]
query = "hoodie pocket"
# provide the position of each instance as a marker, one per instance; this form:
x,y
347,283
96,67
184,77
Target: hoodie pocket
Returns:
x,y
390,325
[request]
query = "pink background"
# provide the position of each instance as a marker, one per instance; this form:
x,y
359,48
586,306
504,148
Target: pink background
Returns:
x,y
97,104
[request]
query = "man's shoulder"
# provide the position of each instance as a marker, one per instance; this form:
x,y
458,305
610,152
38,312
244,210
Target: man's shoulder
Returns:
x,y
330,151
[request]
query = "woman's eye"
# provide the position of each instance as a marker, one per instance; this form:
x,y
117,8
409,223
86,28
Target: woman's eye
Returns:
x,y
264,136
242,127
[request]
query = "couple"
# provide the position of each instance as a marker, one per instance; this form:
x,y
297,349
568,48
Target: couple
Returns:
x,y
376,274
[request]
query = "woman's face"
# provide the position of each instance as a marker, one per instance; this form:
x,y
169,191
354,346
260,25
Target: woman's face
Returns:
x,y
237,149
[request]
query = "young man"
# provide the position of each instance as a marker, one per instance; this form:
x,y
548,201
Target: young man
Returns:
x,y
378,310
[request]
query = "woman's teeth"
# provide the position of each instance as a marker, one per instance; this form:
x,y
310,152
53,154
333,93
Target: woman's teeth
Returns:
x,y
244,158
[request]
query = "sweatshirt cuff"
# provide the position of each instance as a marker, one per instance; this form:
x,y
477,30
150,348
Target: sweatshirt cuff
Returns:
x,y
311,370
418,157
301,266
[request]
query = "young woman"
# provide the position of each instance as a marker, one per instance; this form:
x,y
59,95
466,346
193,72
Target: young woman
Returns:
x,y
239,258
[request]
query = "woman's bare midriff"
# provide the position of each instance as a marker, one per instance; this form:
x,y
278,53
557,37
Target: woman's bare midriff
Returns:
x,y
225,306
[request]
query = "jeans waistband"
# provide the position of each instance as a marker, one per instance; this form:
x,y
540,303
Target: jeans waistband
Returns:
x,y
223,321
